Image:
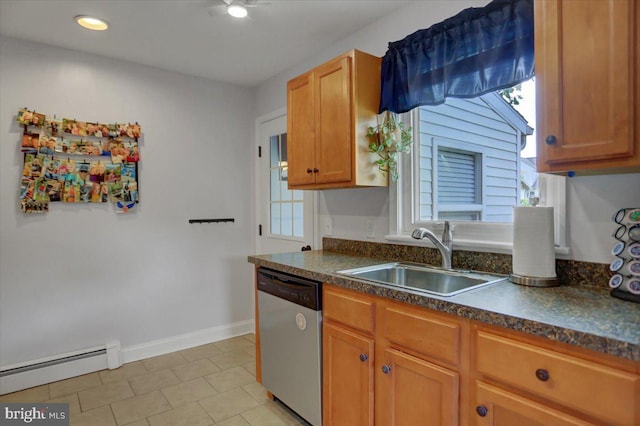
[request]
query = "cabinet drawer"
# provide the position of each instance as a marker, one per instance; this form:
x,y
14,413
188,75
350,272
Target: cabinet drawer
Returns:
x,y
497,407
423,332
349,309
597,390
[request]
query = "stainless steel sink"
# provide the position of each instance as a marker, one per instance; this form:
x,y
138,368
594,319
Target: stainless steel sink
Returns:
x,y
427,279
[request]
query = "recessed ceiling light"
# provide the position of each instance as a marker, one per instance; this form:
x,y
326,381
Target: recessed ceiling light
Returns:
x,y
91,23
237,10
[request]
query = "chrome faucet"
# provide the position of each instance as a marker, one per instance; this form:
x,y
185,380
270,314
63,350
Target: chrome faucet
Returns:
x,y
445,245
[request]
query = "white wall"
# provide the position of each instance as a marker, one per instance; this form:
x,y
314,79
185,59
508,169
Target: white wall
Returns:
x,y
82,275
591,200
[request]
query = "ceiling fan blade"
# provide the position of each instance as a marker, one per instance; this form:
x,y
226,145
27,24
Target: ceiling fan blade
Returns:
x,y
255,3
217,10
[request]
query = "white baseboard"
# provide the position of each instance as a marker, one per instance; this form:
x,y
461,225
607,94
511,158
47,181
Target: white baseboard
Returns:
x,y
116,356
185,341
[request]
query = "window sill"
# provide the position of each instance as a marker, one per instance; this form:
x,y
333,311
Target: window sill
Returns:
x,y
470,245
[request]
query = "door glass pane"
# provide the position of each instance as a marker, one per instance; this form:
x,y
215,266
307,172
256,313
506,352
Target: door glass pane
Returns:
x,y
275,185
287,218
283,147
274,149
298,223
275,218
285,193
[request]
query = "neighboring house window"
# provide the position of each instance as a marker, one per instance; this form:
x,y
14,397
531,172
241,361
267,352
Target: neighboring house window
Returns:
x,y
451,180
459,188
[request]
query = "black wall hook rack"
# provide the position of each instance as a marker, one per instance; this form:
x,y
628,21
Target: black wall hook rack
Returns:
x,y
211,220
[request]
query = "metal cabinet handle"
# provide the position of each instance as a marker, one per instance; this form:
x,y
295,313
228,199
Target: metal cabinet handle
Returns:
x,y
309,170
551,140
542,374
482,410
315,170
386,369
363,357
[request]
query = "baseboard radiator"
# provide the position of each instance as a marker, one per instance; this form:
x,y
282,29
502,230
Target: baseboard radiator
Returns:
x,y
59,367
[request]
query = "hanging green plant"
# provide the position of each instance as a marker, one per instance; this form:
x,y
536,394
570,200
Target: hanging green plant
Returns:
x,y
388,139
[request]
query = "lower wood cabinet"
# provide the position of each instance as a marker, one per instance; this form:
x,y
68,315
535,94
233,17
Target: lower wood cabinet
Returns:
x,y
363,368
497,407
411,391
548,383
387,363
347,376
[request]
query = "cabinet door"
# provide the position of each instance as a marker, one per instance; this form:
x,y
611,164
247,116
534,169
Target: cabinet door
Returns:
x,y
334,128
496,407
410,391
585,71
300,130
347,377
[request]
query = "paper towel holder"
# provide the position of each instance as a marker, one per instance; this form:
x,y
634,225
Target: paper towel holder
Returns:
x,y
534,281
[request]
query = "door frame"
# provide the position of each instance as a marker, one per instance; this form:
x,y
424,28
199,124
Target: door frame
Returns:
x,y
258,201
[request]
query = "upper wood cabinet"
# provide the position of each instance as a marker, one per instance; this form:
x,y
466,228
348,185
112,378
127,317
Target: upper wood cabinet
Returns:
x,y
587,57
329,110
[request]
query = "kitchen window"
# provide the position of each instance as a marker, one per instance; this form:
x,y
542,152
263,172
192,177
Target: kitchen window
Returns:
x,y
456,82
472,161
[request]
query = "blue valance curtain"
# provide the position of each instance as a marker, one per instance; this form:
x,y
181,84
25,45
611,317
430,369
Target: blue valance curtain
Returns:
x,y
474,52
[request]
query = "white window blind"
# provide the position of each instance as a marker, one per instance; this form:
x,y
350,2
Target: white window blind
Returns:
x,y
458,180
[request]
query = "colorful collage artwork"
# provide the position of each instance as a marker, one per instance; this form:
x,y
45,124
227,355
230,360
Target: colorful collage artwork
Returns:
x,y
77,162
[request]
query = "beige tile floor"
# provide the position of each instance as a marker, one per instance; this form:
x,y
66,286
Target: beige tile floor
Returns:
x,y
201,386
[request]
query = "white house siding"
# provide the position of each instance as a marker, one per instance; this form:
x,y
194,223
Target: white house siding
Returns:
x,y
459,122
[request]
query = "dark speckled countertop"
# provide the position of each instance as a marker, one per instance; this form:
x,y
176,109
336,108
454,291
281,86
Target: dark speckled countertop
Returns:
x,y
582,316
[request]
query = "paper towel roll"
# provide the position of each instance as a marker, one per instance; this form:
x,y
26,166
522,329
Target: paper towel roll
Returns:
x,y
533,250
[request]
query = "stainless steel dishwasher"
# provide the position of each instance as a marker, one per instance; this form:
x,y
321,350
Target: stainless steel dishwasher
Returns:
x,y
290,322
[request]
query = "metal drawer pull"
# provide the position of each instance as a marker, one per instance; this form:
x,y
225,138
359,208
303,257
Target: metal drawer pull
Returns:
x,y
542,374
386,369
482,410
363,357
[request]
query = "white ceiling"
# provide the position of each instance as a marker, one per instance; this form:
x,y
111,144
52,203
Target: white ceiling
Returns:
x,y
180,35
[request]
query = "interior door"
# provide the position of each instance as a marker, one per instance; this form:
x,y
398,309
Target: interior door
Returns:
x,y
285,219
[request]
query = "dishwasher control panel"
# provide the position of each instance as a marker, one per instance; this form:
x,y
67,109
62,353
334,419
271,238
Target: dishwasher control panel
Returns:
x,y
298,290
